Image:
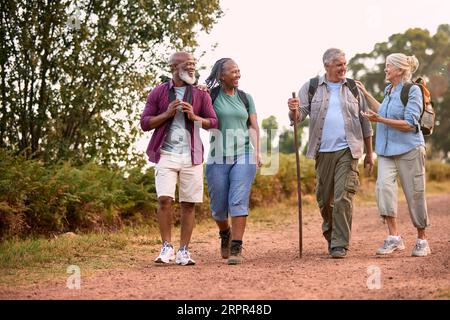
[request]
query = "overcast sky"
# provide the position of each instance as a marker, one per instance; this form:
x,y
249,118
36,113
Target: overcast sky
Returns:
x,y
278,45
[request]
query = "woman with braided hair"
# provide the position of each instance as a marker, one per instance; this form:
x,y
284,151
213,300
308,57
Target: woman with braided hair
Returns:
x,y
233,157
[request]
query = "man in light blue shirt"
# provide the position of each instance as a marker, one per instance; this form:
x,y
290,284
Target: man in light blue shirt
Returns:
x,y
338,134
333,136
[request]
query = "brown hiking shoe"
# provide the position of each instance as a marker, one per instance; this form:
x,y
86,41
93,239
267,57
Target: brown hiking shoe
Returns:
x,y
225,240
235,254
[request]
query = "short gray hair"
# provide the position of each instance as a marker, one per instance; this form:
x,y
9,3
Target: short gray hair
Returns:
x,y
332,54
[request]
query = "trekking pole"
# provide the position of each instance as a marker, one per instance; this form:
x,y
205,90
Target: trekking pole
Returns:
x,y
299,190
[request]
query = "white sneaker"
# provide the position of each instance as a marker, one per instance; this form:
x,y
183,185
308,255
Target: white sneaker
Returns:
x,y
167,253
421,249
184,257
391,244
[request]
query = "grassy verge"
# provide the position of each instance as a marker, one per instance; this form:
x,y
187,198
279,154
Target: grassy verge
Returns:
x,y
32,260
444,294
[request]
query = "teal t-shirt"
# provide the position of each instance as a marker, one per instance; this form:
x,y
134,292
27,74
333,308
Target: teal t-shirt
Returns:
x,y
232,115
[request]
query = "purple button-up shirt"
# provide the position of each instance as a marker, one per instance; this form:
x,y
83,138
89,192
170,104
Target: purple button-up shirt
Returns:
x,y
157,103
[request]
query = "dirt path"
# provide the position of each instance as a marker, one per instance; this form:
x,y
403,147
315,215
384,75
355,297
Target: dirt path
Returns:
x,y
272,269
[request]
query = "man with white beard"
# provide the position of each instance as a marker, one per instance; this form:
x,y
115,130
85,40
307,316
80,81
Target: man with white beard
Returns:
x,y
176,110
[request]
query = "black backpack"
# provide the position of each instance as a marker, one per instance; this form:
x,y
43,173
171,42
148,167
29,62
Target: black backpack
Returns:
x,y
314,84
242,95
428,116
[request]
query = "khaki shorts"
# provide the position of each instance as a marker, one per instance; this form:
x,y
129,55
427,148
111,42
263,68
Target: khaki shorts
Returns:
x,y
173,168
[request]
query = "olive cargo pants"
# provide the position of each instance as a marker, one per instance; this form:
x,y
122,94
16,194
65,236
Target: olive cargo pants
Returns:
x,y
337,182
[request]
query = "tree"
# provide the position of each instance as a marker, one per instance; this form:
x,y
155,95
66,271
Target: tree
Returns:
x,y
73,72
433,53
286,138
287,143
268,125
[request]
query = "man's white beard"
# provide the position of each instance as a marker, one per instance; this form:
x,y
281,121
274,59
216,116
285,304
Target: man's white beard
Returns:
x,y
184,75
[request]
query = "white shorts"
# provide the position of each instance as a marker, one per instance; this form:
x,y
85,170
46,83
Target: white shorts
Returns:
x,y
173,168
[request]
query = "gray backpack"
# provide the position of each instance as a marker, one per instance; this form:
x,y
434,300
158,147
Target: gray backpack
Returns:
x,y
427,118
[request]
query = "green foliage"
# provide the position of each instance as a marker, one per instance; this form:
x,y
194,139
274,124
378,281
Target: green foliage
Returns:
x,y
38,252
437,171
36,200
269,189
42,200
286,143
270,123
267,138
72,73
433,53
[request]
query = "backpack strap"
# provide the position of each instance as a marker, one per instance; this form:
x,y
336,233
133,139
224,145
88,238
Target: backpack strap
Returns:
x,y
214,93
188,95
243,97
353,88
404,94
313,85
172,95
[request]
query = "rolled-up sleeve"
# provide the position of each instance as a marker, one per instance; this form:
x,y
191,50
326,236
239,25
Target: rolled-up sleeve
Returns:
x,y
413,109
150,110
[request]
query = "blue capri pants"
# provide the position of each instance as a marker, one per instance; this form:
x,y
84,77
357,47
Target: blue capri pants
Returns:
x,y
229,184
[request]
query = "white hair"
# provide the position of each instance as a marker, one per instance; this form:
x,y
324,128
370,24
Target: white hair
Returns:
x,y
332,54
403,62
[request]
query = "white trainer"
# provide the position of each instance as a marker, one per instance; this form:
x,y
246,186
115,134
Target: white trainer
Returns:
x,y
391,244
167,253
421,249
184,257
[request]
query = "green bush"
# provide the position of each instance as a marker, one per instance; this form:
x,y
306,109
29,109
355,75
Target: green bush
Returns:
x,y
283,184
37,199
43,200
437,171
